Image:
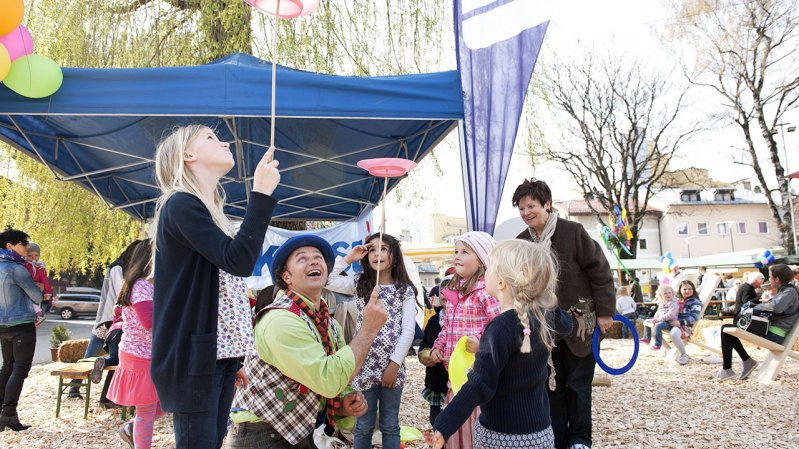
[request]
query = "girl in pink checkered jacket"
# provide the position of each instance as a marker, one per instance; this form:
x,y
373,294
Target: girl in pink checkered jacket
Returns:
x,y
468,310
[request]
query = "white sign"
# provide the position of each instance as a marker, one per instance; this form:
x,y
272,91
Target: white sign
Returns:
x,y
342,237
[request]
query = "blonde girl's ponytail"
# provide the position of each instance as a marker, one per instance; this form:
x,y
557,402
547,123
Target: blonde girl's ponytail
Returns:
x,y
521,312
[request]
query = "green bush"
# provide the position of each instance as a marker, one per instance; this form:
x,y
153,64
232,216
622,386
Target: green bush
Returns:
x,y
59,335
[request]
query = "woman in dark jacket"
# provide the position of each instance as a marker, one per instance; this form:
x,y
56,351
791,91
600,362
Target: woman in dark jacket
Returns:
x,y
202,326
586,290
18,293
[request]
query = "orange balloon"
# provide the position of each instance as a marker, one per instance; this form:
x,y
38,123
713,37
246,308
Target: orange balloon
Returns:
x,y
11,12
5,62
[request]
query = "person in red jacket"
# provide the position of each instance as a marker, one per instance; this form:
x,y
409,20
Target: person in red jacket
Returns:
x,y
38,272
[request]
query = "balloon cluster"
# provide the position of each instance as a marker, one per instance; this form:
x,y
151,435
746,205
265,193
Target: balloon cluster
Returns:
x,y
764,259
668,262
620,228
32,76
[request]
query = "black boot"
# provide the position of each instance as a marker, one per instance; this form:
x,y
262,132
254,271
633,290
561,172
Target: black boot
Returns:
x,y
12,422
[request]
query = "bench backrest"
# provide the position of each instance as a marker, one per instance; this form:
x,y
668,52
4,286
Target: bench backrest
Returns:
x,y
709,284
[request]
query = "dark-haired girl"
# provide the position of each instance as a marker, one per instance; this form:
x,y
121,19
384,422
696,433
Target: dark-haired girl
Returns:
x,y
383,373
132,384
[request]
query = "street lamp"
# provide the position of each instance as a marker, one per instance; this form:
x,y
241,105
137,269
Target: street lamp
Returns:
x,y
790,195
730,225
688,243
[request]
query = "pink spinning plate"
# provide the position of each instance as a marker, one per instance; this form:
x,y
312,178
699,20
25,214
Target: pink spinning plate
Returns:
x,y
387,167
289,9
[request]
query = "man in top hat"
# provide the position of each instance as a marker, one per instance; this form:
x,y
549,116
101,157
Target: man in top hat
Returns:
x,y
304,367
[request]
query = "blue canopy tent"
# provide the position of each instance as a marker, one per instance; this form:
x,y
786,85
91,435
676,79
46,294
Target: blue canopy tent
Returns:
x,y
101,128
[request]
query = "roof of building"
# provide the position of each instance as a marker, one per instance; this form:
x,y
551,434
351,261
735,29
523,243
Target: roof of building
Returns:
x,y
672,197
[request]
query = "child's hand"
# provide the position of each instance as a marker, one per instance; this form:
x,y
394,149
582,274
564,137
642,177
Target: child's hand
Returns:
x,y
472,344
436,356
434,440
390,375
356,253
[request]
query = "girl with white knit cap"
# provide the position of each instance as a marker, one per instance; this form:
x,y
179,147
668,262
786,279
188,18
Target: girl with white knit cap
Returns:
x,y
469,308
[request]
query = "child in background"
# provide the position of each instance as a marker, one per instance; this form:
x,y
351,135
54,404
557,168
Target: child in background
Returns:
x,y
668,309
132,385
435,375
513,364
38,272
625,306
469,308
383,373
690,311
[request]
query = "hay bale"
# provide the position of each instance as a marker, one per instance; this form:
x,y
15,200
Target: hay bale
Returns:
x,y
71,351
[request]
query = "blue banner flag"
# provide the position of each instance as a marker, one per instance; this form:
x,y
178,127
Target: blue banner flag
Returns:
x,y
497,46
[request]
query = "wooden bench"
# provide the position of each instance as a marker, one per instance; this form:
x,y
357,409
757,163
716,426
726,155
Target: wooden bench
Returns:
x,y
80,371
777,352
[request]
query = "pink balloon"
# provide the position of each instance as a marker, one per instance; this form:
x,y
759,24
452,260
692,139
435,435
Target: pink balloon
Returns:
x,y
289,9
309,7
18,42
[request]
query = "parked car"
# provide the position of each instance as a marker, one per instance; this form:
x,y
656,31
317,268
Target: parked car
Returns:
x,y
71,305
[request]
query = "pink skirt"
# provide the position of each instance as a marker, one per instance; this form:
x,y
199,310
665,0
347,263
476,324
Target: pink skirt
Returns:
x,y
462,439
132,384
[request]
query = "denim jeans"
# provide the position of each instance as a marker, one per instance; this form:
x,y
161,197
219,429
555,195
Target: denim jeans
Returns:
x,y
206,430
261,436
630,316
18,344
389,400
659,328
570,403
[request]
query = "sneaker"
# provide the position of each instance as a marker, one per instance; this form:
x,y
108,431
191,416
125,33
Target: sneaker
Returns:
x,y
126,433
108,404
97,371
655,348
75,396
579,446
725,374
747,367
683,359
645,341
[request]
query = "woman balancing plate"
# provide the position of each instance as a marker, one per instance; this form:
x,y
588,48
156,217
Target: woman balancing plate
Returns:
x,y
629,365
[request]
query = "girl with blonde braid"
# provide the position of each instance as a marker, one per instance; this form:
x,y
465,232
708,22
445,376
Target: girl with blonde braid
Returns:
x,y
513,363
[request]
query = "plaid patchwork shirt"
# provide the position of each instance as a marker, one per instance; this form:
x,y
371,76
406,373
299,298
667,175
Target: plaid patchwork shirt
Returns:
x,y
465,315
281,402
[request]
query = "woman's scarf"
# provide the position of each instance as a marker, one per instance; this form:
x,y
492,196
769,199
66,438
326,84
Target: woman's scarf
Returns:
x,y
7,254
546,235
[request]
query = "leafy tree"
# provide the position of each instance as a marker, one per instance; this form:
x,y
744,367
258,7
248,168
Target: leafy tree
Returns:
x,y
620,129
746,52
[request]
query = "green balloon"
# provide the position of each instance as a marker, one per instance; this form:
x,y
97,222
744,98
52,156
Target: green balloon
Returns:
x,y
34,76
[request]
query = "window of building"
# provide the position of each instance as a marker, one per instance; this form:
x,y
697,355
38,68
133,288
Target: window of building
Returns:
x,y
724,195
642,244
701,228
722,228
682,228
740,227
762,227
690,196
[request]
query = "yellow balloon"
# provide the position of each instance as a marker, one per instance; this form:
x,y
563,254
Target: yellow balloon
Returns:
x,y
11,13
5,62
459,363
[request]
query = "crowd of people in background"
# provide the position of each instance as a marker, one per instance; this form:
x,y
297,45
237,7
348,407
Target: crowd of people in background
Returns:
x,y
281,371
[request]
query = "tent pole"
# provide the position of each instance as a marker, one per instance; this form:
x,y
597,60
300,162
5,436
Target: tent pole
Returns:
x,y
465,175
274,74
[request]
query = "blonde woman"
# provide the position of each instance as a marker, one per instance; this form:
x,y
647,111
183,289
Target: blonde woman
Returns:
x,y
202,326
511,369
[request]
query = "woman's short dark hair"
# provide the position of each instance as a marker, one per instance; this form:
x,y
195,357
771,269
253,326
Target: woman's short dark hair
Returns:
x,y
535,189
12,236
782,272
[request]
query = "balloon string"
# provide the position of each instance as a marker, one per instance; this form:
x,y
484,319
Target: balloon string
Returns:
x,y
606,231
274,74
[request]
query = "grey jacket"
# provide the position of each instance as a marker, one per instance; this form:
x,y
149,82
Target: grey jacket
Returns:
x,y
786,304
18,292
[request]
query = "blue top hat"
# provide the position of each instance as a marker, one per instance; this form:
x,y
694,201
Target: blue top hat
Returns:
x,y
298,241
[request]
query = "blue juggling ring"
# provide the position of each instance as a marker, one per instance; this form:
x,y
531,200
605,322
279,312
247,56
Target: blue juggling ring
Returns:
x,y
610,370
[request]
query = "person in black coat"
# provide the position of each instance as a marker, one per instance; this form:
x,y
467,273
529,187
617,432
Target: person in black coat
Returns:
x,y
199,265
435,377
747,291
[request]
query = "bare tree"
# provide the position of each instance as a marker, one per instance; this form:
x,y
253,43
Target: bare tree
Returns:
x,y
747,53
619,122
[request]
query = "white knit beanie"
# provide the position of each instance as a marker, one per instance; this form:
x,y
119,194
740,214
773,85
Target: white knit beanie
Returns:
x,y
481,242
